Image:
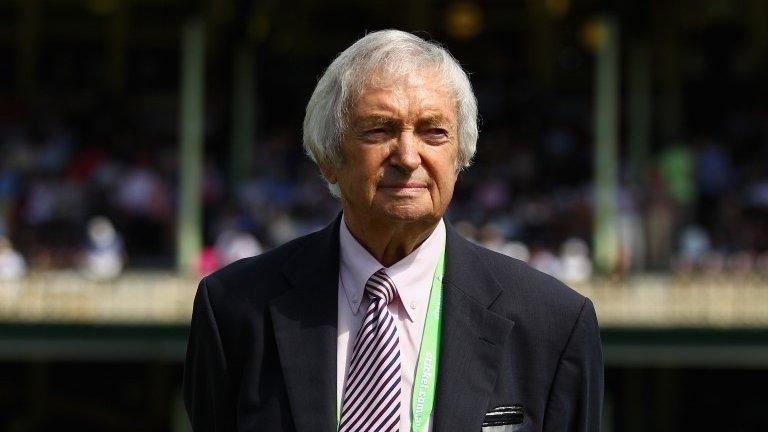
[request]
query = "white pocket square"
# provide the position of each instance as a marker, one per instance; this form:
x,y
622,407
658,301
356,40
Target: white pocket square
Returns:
x,y
505,418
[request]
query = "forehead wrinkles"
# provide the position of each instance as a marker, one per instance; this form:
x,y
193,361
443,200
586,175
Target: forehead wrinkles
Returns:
x,y
409,93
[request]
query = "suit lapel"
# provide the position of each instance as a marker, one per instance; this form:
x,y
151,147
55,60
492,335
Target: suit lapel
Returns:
x,y
472,338
305,323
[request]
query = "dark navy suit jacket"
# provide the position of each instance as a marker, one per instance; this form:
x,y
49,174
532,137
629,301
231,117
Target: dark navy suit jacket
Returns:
x,y
262,346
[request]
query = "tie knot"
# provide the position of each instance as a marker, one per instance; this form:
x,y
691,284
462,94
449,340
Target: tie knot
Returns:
x,y
380,287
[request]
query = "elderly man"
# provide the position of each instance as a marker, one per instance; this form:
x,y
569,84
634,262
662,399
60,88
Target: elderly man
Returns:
x,y
388,320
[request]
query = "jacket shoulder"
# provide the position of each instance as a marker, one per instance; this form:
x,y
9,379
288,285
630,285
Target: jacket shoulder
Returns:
x,y
532,296
510,271
258,278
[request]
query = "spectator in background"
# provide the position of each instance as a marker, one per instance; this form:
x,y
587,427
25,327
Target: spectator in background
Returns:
x,y
694,248
714,177
631,240
144,201
517,250
142,192
678,167
12,264
104,255
208,261
576,266
659,214
233,245
545,261
8,192
492,237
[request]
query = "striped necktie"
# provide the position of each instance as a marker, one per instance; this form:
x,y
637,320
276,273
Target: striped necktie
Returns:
x,y
372,389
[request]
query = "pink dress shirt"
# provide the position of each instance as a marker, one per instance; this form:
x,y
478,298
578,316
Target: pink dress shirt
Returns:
x,y
412,276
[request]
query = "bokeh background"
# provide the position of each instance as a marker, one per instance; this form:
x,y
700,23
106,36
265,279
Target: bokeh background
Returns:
x,y
145,143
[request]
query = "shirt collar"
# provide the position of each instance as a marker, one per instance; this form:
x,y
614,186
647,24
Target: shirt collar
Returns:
x,y
411,275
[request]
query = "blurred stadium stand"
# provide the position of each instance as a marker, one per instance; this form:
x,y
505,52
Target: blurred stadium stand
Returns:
x,y
623,148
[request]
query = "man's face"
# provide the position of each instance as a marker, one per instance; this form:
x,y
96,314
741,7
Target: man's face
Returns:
x,y
399,152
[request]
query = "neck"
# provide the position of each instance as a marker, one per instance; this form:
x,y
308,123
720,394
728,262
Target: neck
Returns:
x,y
388,242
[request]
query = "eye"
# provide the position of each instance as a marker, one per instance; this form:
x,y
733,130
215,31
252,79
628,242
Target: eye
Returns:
x,y
435,134
376,134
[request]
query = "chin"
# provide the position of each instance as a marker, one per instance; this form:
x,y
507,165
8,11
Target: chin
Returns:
x,y
408,213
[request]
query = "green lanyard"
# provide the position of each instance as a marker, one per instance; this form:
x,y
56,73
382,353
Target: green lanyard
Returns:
x,y
425,380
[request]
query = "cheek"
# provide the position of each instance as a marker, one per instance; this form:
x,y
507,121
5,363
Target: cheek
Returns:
x,y
448,184
446,189
371,168
445,173
362,178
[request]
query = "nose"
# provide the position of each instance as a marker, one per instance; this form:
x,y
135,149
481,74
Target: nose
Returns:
x,y
405,154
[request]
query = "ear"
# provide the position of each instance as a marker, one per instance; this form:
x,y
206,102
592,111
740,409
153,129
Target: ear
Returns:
x,y
328,172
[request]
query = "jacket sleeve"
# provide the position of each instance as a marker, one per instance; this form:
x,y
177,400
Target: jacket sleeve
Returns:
x,y
207,387
576,398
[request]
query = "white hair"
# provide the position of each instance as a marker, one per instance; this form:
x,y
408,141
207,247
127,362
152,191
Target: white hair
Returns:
x,y
394,54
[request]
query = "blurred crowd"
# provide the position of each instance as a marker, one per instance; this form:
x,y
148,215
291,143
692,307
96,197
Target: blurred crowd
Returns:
x,y
77,194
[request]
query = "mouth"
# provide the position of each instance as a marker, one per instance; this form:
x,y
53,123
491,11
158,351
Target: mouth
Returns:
x,y
405,188
406,185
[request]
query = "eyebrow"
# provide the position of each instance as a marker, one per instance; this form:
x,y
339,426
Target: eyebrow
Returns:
x,y
434,119
375,120
378,120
